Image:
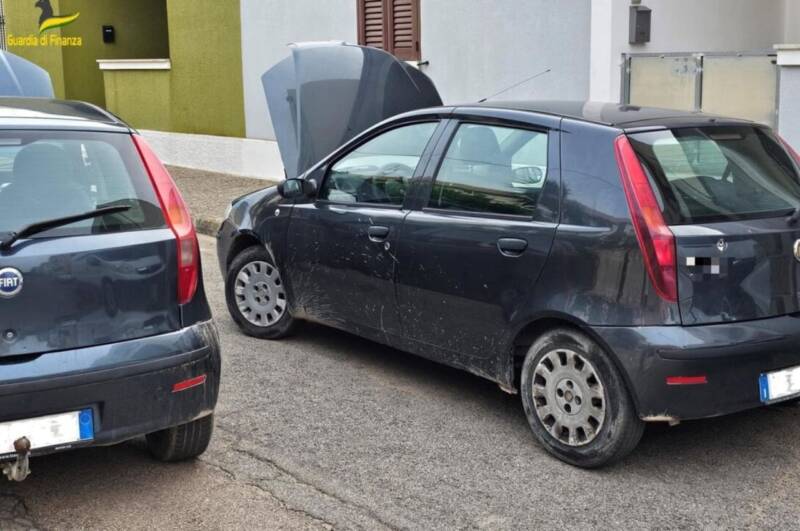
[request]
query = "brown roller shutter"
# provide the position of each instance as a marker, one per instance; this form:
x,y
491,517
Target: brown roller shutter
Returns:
x,y
391,25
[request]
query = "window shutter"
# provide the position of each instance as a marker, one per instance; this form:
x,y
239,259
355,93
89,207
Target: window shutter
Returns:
x,y
372,18
391,25
404,25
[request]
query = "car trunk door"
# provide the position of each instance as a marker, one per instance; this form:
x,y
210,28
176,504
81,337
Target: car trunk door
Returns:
x,y
89,290
103,280
738,270
326,93
728,193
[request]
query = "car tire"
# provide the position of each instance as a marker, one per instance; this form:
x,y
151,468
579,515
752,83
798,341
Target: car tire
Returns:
x,y
183,442
576,400
256,324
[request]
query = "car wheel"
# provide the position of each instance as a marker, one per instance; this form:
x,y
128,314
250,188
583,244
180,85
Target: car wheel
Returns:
x,y
181,442
256,295
576,401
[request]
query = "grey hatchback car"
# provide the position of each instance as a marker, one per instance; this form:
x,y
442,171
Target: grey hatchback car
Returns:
x,y
105,330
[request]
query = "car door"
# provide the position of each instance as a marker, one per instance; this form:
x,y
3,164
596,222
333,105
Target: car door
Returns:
x,y
471,253
342,245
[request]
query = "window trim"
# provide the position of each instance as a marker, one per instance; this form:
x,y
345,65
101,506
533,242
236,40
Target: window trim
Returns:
x,y
431,181
423,158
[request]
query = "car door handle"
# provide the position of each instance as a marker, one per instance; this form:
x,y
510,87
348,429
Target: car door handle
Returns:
x,y
377,233
511,246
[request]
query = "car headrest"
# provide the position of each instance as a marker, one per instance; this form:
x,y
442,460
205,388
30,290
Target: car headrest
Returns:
x,y
479,144
43,167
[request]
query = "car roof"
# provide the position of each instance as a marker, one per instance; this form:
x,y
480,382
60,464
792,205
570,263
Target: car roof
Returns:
x,y
43,113
612,114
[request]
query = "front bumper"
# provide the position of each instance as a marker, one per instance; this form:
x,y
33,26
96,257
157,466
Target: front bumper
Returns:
x,y
128,385
732,356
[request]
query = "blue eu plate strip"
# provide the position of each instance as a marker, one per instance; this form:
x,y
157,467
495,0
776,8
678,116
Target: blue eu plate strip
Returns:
x,y
86,423
763,385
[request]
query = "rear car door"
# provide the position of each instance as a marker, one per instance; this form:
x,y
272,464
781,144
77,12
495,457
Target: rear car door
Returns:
x,y
727,193
98,281
342,245
470,255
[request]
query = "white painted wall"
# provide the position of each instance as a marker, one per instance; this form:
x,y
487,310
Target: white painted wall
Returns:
x,y
479,47
684,26
268,26
792,21
244,157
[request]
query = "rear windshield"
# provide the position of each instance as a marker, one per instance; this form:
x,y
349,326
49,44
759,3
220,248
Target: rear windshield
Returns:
x,y
707,174
52,174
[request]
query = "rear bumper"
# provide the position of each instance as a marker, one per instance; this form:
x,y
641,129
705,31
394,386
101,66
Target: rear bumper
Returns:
x,y
732,356
128,385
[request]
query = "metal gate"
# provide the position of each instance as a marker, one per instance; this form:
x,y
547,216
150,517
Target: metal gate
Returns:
x,y
742,85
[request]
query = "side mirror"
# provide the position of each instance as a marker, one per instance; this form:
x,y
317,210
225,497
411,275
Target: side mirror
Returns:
x,y
297,188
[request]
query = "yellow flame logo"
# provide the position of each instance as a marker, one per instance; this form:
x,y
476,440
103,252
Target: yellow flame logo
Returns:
x,y
50,20
57,22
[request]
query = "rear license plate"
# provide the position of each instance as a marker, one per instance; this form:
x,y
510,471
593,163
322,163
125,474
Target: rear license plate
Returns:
x,y
49,431
778,385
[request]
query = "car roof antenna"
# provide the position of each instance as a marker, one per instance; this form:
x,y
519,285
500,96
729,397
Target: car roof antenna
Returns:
x,y
515,85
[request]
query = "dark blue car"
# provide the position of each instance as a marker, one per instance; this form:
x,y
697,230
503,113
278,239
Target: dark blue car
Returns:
x,y
105,331
614,265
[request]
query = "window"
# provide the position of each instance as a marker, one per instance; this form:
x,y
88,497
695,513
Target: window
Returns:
x,y
718,173
46,175
380,170
391,25
496,170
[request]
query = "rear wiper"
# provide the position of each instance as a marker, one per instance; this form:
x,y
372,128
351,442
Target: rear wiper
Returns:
x,y
42,226
794,217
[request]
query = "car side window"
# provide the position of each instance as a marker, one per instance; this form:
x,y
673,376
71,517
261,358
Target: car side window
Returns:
x,y
490,169
379,171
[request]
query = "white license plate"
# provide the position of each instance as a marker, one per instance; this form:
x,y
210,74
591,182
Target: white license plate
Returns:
x,y
49,431
779,384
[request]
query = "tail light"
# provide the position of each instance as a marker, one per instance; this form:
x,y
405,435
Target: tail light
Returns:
x,y
791,150
655,239
178,219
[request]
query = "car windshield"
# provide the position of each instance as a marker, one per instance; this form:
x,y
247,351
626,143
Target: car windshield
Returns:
x,y
52,174
708,174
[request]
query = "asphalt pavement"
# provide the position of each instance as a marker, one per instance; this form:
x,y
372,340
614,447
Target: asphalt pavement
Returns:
x,y
328,430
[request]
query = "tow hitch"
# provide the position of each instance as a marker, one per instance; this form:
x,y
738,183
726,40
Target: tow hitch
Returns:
x,y
19,469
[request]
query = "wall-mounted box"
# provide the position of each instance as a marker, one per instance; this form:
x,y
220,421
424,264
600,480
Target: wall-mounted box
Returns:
x,y
109,34
639,25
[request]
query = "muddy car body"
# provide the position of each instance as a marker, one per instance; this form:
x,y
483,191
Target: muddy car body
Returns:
x,y
615,264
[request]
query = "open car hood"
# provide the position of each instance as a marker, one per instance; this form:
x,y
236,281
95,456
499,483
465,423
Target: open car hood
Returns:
x,y
326,93
21,78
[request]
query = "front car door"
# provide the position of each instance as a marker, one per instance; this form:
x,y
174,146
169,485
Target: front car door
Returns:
x,y
472,250
342,245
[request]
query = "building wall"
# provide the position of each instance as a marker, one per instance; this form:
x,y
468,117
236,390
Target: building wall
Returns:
x,y
141,33
140,97
23,19
682,26
268,26
792,21
479,47
492,45
205,42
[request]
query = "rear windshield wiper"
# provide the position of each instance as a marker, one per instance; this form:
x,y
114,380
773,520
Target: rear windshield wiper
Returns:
x,y
794,217
42,226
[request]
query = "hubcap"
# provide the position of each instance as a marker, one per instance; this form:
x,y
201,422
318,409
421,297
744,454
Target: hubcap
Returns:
x,y
568,397
259,292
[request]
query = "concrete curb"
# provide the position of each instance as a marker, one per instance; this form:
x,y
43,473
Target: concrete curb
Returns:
x,y
207,226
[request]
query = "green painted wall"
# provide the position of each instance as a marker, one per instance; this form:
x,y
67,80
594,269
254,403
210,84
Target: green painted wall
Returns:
x,y
141,33
141,97
22,18
203,92
205,41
